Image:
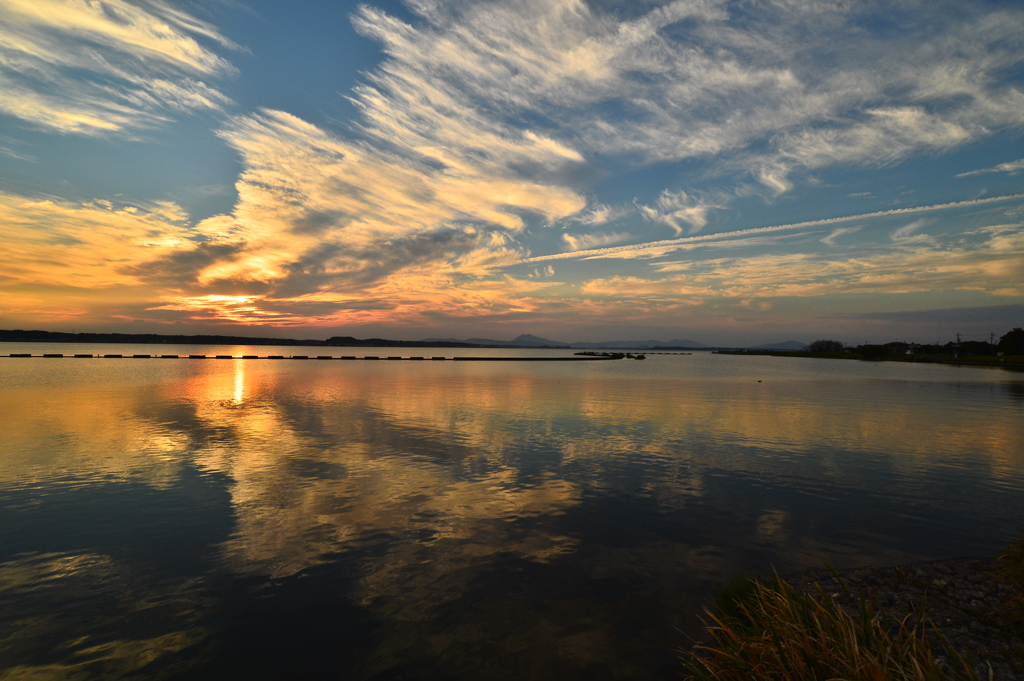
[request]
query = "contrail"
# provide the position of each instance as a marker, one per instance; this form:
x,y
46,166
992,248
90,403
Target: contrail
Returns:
x,y
1010,167
611,250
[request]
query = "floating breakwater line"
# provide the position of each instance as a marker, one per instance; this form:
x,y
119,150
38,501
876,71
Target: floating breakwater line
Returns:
x,y
322,357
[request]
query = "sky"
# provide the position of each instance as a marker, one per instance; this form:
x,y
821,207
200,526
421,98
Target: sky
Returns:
x,y
728,172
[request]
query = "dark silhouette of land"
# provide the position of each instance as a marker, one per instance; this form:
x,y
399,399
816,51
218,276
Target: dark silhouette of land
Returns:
x,y
1008,352
155,338
521,342
1009,349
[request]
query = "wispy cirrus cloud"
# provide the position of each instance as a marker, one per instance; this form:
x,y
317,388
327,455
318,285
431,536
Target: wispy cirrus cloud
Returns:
x,y
1012,167
600,214
108,261
483,125
993,265
909,230
681,211
318,212
84,245
579,242
95,68
830,240
324,229
145,263
801,82
657,248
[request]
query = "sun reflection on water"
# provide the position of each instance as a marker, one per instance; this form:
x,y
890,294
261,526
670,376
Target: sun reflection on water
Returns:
x,y
239,381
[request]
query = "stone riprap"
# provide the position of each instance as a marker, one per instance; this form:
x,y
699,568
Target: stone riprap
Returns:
x,y
965,599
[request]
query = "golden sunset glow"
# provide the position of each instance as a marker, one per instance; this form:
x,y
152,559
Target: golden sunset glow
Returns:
x,y
685,291
556,167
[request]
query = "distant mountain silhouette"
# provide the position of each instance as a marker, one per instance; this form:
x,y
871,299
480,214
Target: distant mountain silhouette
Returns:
x,y
785,345
640,345
527,340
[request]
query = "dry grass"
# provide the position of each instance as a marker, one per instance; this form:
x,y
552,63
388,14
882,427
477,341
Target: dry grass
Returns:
x,y
771,631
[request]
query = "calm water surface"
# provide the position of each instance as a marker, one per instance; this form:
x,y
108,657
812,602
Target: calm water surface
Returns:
x,y
187,519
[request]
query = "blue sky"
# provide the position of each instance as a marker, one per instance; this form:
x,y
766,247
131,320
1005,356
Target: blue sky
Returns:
x,y
727,172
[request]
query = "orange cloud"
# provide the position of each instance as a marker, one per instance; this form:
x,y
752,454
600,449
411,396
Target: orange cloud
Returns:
x,y
100,260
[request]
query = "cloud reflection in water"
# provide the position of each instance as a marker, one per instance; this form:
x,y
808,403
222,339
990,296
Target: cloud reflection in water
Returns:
x,y
451,514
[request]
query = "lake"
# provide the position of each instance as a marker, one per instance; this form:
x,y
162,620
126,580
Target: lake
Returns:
x,y
212,519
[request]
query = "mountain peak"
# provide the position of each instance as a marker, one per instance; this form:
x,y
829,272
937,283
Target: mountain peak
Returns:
x,y
530,339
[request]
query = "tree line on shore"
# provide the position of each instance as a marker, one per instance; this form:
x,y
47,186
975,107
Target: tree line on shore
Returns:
x,y
1010,344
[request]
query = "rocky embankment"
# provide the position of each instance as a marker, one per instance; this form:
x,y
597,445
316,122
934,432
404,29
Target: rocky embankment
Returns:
x,y
964,598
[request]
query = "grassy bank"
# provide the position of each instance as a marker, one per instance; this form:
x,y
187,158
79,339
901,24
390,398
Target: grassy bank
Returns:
x,y
772,631
768,629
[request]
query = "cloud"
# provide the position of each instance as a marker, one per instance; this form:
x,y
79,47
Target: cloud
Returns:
x,y
599,214
146,262
656,248
92,68
907,231
680,211
830,240
542,272
987,267
320,213
1007,315
1012,167
775,88
84,245
577,242
478,129
883,136
324,229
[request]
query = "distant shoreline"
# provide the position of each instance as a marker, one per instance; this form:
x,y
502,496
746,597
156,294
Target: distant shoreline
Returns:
x,y
1012,363
20,336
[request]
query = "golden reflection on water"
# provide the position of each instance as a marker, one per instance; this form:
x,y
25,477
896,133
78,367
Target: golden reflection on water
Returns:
x,y
239,395
324,459
300,446
59,584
